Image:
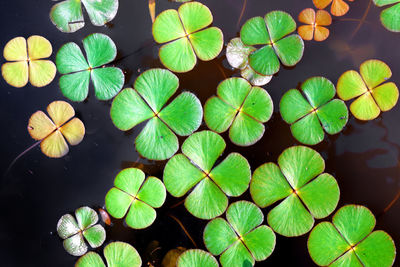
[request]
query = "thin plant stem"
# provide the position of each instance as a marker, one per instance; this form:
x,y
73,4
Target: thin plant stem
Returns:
x,y
242,12
394,200
362,19
177,204
19,156
184,229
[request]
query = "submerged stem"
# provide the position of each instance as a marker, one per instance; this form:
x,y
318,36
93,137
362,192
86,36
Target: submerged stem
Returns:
x,y
394,200
19,156
242,12
362,19
184,229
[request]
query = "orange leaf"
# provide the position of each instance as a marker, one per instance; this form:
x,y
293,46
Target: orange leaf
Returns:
x,y
152,9
321,33
321,4
339,8
323,18
307,16
306,32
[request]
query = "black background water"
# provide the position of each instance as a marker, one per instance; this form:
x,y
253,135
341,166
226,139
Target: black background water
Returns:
x,y
39,190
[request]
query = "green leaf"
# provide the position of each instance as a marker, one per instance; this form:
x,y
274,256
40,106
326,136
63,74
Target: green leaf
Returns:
x,y
203,149
156,86
254,32
195,16
75,86
244,216
95,236
261,242
180,175
279,24
349,259
232,175
318,91
178,55
258,105
381,3
245,131
227,113
386,96
238,255
294,106
333,116
365,107
70,59
140,215
91,259
67,16
118,202
350,85
290,50
308,130
128,110
75,245
86,217
207,43
234,91
264,61
321,195
167,27
156,141
152,192
107,82
390,18
268,185
99,48
101,12
299,164
120,254
218,236
237,53
183,115
374,72
130,180
206,201
196,258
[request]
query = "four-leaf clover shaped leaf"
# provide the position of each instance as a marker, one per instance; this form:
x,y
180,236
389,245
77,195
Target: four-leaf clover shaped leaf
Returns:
x,y
240,107
152,89
373,95
28,62
273,33
315,24
77,71
307,193
240,239
338,7
52,132
194,169
390,17
67,15
349,240
135,196
187,36
237,54
196,258
313,111
75,232
117,254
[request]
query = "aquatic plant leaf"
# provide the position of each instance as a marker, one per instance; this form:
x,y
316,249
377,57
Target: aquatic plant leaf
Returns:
x,y
135,197
306,32
195,16
107,82
338,7
350,85
254,78
375,72
207,43
390,18
194,168
153,88
316,111
240,239
183,114
196,258
386,96
168,27
100,50
351,236
237,53
170,259
50,133
75,232
254,32
186,30
264,61
242,108
321,34
117,254
290,50
265,192
67,15
314,24
279,24
27,62
365,107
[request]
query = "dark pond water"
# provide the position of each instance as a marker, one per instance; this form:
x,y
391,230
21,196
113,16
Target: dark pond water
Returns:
x,y
38,190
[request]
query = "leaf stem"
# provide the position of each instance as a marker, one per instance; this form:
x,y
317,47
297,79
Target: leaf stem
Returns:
x,y
19,156
394,200
362,19
184,229
241,13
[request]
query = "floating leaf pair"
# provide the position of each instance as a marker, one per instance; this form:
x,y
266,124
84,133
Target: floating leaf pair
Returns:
x,y
137,194
390,17
53,131
237,55
117,254
28,62
338,7
196,258
78,71
194,169
307,193
373,95
274,33
313,111
67,15
240,239
316,22
240,107
75,232
187,36
349,240
153,88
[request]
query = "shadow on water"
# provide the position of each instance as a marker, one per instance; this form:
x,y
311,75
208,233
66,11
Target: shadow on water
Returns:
x,y
363,158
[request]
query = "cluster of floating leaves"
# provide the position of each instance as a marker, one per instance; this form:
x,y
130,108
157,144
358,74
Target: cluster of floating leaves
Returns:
x,y
298,181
